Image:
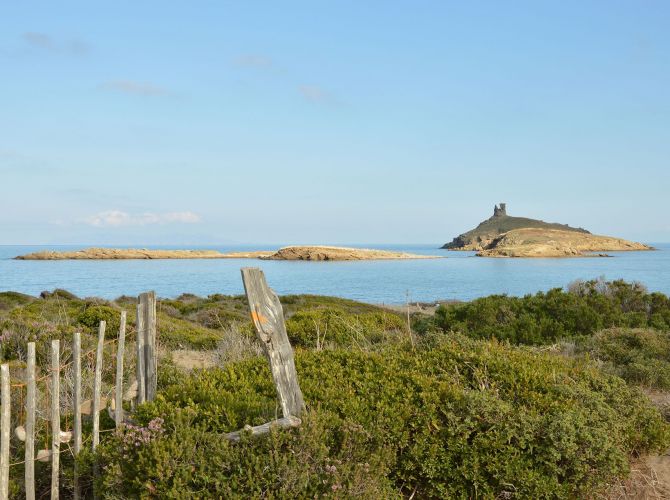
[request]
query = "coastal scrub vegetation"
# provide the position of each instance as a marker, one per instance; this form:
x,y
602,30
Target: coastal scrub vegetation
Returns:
x,y
454,417
548,317
501,397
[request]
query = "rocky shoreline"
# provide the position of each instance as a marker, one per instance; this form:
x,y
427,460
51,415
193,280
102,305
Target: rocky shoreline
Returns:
x,y
303,253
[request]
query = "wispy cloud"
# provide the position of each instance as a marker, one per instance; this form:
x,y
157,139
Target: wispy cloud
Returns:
x,y
46,42
253,61
135,88
314,93
118,218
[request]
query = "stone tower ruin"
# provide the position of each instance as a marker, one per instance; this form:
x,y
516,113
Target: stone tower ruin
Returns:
x,y
499,211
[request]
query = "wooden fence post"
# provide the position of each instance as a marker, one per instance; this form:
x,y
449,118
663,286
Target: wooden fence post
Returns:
x,y
139,344
30,424
76,355
118,402
148,303
55,417
268,318
5,423
97,383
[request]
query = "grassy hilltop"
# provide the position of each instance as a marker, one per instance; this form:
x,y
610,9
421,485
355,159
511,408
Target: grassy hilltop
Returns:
x,y
501,397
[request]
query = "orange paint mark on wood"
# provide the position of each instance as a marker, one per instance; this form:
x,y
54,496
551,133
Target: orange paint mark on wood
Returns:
x,y
258,317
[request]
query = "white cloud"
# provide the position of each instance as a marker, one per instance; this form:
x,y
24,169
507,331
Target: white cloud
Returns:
x,y
46,42
118,218
314,93
135,88
253,61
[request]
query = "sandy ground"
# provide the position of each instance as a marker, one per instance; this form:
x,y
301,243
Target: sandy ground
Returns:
x,y
317,252
189,359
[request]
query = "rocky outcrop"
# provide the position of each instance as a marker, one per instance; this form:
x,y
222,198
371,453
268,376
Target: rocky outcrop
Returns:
x,y
137,253
315,253
536,242
320,253
483,235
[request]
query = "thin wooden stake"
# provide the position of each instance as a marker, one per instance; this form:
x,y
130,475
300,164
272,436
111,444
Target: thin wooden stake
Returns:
x,y
30,423
55,417
148,301
97,383
76,354
268,318
139,326
5,423
118,404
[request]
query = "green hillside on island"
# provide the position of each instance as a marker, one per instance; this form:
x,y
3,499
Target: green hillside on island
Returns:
x,y
500,223
502,235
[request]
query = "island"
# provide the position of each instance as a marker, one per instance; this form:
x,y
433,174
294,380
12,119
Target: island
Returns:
x,y
502,235
305,253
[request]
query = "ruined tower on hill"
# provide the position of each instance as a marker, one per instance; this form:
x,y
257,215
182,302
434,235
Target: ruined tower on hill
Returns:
x,y
483,235
499,211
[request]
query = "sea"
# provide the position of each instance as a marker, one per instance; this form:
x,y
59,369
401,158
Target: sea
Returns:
x,y
458,276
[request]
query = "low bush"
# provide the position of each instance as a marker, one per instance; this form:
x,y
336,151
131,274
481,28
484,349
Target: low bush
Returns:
x,y
557,314
316,328
455,418
639,356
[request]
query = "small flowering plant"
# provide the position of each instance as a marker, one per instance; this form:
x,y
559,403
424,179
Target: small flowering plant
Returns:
x,y
135,436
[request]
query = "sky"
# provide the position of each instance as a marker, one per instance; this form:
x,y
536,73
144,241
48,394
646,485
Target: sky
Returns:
x,y
330,122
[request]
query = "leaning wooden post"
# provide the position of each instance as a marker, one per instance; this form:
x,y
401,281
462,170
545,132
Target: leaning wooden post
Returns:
x,y
139,343
118,401
97,383
268,318
148,303
30,424
5,422
76,355
55,416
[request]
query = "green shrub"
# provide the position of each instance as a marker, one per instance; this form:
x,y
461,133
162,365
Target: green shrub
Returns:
x,y
318,327
548,317
456,418
95,313
639,356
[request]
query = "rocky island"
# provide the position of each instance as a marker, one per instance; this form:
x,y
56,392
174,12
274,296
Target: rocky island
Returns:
x,y
311,253
505,236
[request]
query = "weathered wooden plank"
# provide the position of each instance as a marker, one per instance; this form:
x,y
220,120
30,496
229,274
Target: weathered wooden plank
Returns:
x,y
97,384
118,406
29,470
5,423
139,345
268,318
148,301
76,358
55,417
284,423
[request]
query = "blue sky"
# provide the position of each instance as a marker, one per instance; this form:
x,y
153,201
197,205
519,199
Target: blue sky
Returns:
x,y
330,122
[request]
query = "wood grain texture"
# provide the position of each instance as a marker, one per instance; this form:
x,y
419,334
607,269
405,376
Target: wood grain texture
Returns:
x,y
55,418
76,359
5,423
139,360
268,318
148,302
97,384
284,423
121,345
29,454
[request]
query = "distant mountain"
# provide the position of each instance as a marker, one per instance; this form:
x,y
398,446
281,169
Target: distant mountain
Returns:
x,y
486,232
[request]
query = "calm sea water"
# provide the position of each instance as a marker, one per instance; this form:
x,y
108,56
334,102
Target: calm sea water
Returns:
x,y
460,276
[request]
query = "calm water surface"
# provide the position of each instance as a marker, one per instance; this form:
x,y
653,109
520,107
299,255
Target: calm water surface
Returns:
x,y
459,276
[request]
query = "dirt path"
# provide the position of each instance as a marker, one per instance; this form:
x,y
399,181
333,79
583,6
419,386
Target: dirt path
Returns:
x,y
189,359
